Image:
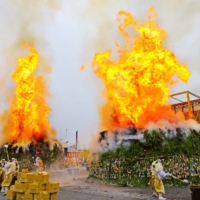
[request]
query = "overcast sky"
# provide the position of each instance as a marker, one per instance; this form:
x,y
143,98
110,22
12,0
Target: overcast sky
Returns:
x,y
68,33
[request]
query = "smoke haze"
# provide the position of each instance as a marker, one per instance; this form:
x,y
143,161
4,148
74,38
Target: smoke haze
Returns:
x,y
68,33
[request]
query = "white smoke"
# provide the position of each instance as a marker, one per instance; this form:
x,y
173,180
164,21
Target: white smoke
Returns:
x,y
123,137
184,125
83,28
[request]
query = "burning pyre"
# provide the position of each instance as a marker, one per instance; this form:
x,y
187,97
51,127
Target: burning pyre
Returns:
x,y
26,121
137,83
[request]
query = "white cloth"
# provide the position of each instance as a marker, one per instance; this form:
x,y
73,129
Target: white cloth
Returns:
x,y
4,164
161,174
37,163
156,166
10,168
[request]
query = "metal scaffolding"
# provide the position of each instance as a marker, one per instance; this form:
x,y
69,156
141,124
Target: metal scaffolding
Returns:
x,y
190,104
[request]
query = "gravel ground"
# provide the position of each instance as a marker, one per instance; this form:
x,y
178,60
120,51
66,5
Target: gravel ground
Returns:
x,y
76,186
108,193
97,192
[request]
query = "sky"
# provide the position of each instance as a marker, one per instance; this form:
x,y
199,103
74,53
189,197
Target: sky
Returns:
x,y
68,33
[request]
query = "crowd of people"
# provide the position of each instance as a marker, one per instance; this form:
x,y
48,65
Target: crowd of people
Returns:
x,y
75,162
9,171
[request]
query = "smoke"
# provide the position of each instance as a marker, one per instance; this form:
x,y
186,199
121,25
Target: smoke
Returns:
x,y
111,140
25,22
180,19
84,28
22,22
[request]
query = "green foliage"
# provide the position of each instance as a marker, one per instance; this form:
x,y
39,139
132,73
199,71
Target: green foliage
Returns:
x,y
182,149
156,143
27,161
191,145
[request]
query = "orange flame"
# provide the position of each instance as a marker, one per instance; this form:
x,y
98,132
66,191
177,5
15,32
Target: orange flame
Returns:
x,y
82,67
137,84
27,118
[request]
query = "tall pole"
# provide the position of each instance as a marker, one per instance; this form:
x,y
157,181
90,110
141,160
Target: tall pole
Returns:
x,y
6,149
66,134
189,107
76,140
7,154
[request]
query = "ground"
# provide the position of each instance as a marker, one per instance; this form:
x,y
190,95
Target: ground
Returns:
x,y
74,185
95,192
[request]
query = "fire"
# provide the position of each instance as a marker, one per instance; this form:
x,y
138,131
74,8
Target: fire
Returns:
x,y
82,67
27,118
137,83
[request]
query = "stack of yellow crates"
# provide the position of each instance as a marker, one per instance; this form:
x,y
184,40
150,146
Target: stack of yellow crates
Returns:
x,y
31,186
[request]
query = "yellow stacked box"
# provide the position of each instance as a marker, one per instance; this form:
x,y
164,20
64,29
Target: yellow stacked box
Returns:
x,y
52,187
25,171
42,177
53,196
12,187
36,187
18,176
46,195
55,185
28,196
20,187
26,177
39,196
20,196
10,195
33,187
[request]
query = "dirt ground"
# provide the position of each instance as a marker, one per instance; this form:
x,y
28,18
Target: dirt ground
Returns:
x,y
74,185
97,192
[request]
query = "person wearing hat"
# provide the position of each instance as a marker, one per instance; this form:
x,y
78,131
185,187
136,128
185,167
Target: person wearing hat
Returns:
x,y
3,162
10,168
157,175
2,175
15,174
39,165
